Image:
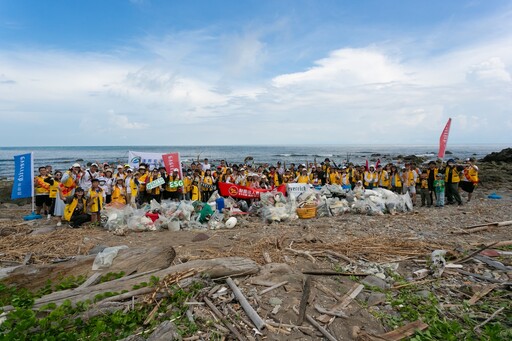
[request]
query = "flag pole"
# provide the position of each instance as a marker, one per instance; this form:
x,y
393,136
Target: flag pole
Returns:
x,y
32,178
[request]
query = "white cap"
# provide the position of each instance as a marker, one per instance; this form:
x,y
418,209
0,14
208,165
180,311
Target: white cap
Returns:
x,y
372,166
75,165
176,170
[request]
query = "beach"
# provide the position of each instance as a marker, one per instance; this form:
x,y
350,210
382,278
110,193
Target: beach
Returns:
x,y
351,243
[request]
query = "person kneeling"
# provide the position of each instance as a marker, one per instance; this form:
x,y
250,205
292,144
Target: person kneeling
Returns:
x,y
76,209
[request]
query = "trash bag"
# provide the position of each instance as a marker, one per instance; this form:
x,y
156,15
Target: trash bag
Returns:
x,y
215,195
322,210
105,258
366,206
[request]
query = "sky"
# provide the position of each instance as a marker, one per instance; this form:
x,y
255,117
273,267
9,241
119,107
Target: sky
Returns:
x,y
244,72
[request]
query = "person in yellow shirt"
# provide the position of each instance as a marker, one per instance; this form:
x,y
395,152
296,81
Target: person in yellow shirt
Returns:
x,y
42,191
95,198
395,181
173,185
143,178
187,185
207,185
469,179
154,193
303,178
382,177
424,191
452,179
370,178
76,209
119,193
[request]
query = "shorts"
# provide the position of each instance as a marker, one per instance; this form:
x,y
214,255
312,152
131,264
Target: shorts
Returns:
x,y
467,186
410,189
43,200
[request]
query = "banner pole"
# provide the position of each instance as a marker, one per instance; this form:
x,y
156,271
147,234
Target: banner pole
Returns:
x,y
32,180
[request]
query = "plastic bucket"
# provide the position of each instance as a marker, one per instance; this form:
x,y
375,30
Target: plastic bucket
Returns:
x,y
220,204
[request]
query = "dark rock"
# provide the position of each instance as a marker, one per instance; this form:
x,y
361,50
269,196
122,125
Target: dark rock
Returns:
x,y
448,152
503,156
375,155
375,281
376,298
200,237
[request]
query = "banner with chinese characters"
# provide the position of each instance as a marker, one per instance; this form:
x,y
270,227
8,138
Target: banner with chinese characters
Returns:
x,y
23,176
154,160
243,192
172,162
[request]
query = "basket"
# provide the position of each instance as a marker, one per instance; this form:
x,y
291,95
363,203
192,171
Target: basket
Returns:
x,y
306,212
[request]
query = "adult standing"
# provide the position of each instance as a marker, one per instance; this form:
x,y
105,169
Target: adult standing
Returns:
x,y
88,175
452,179
432,171
470,177
70,180
42,191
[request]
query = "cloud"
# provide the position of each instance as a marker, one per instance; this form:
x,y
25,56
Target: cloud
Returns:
x,y
491,70
119,121
5,80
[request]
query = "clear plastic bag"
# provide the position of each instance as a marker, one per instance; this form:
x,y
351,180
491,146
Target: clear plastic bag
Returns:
x,y
105,258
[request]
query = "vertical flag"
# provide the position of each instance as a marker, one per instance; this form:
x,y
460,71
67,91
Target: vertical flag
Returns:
x,y
172,161
23,186
443,140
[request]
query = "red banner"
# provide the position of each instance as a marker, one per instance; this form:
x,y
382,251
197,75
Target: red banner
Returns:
x,y
443,140
172,161
243,192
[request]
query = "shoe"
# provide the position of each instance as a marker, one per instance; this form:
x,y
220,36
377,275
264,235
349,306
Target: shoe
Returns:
x,y
59,224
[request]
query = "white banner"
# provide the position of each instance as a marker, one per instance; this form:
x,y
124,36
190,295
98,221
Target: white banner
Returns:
x,y
152,159
294,190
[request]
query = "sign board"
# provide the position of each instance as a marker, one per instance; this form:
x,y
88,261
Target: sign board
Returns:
x,y
155,183
294,190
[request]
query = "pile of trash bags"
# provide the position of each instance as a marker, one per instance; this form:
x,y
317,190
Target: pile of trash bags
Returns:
x,y
330,200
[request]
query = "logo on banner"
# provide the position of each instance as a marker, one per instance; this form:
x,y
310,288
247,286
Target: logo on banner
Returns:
x,y
135,160
233,190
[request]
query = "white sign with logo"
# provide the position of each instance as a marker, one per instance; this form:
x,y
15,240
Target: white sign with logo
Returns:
x,y
155,183
154,160
294,190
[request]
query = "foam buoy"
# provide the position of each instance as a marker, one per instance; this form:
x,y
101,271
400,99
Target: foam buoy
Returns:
x,y
231,222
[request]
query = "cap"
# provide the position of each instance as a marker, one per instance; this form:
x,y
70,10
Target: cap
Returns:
x,y
95,180
109,170
450,161
372,166
119,166
175,170
76,165
327,159
126,166
440,175
142,167
120,179
79,189
129,170
94,164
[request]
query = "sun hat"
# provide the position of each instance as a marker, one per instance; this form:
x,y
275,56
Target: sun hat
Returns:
x,y
76,165
94,164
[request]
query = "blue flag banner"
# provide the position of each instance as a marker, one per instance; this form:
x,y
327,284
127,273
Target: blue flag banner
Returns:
x,y
23,179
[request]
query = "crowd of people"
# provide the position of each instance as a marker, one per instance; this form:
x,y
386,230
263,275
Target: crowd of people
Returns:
x,y
78,195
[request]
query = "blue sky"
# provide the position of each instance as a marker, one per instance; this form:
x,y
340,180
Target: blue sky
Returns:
x,y
147,72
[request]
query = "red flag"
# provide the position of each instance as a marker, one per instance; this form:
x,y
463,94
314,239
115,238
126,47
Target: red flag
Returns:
x,y
366,167
171,162
443,140
377,163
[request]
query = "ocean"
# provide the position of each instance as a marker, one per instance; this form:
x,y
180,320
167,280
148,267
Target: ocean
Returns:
x,y
63,157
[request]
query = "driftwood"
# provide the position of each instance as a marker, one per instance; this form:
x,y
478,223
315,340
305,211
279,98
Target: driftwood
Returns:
x,y
224,320
492,280
489,318
253,315
273,287
501,223
478,295
315,324
306,289
404,331
129,260
215,268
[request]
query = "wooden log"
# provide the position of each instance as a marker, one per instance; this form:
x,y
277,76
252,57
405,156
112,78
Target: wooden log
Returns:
x,y
273,287
315,324
215,268
501,223
478,295
253,315
404,331
306,289
91,280
223,319
34,277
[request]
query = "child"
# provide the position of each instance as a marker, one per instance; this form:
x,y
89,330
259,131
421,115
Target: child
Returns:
x,y
119,193
439,189
424,191
95,197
